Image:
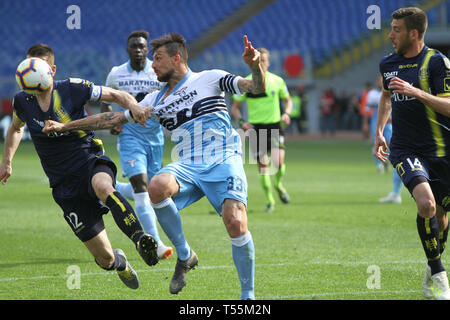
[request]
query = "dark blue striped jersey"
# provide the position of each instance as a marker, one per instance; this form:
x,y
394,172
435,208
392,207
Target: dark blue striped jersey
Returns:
x,y
416,127
63,154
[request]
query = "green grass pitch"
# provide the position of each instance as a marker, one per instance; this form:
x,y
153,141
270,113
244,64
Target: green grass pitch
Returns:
x,y
333,241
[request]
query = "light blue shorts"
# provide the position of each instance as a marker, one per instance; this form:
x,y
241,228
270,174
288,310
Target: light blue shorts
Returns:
x,y
217,182
138,157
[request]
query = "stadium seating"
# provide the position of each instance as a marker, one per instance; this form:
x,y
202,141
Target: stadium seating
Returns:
x,y
314,28
91,51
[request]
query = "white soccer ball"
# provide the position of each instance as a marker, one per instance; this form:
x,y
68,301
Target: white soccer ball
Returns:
x,y
33,75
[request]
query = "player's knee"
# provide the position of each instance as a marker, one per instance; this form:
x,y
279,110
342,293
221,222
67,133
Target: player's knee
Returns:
x,y
102,185
426,207
236,227
160,188
263,169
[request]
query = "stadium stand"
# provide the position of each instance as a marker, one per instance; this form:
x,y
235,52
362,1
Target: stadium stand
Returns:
x,y
91,51
288,26
331,36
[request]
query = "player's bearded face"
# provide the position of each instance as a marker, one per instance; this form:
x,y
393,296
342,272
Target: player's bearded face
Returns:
x,y
165,77
163,65
403,45
400,37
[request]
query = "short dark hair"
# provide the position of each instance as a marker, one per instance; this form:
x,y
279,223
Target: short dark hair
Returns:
x,y
174,44
415,18
138,34
40,50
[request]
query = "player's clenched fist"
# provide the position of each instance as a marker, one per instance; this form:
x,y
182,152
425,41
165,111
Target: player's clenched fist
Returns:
x,y
52,126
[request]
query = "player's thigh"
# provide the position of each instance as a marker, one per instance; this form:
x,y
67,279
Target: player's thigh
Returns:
x,y
225,181
423,195
102,175
260,144
277,155
163,185
183,186
276,144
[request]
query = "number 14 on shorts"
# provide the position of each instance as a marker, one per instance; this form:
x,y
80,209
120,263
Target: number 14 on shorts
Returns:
x,y
414,165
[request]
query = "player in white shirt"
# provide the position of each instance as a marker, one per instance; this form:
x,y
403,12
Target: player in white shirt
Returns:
x,y
140,148
192,106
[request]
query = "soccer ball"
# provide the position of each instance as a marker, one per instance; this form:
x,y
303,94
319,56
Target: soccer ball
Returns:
x,y
33,75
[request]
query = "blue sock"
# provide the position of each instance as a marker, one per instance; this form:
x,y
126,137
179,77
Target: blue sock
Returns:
x,y
170,220
146,214
125,189
243,251
397,182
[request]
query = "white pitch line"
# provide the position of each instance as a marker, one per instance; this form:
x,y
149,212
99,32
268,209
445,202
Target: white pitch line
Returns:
x,y
103,273
348,263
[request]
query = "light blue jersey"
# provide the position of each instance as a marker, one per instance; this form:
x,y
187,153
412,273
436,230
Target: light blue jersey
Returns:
x,y
196,114
208,150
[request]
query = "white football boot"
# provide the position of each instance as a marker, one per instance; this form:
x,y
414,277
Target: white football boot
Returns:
x,y
440,289
391,198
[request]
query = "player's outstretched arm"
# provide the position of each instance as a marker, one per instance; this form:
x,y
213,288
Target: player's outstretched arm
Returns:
x,y
384,112
251,57
100,121
12,141
106,107
127,101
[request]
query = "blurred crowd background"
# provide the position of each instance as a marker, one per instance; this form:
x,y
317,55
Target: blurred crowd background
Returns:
x,y
327,50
